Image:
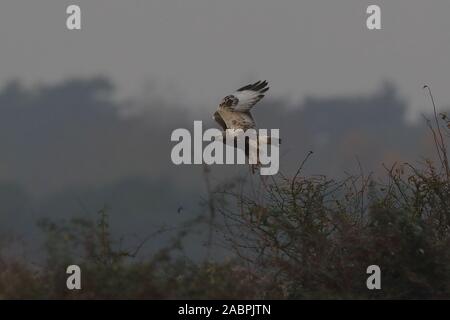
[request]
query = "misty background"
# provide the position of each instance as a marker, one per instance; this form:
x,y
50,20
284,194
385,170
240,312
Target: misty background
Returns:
x,y
86,116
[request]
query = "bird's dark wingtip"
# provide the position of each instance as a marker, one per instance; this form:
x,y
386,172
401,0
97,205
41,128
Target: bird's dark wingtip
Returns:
x,y
257,86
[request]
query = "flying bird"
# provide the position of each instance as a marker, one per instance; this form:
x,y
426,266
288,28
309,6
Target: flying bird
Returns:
x,y
234,112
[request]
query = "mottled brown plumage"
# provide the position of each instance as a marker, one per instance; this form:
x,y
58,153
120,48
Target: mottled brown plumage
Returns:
x,y
234,111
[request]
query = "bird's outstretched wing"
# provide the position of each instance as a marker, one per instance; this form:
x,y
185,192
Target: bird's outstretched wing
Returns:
x,y
249,95
234,110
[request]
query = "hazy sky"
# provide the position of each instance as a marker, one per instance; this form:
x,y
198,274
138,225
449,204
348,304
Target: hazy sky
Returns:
x,y
201,49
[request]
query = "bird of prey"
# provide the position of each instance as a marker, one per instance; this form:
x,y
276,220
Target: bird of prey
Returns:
x,y
234,111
